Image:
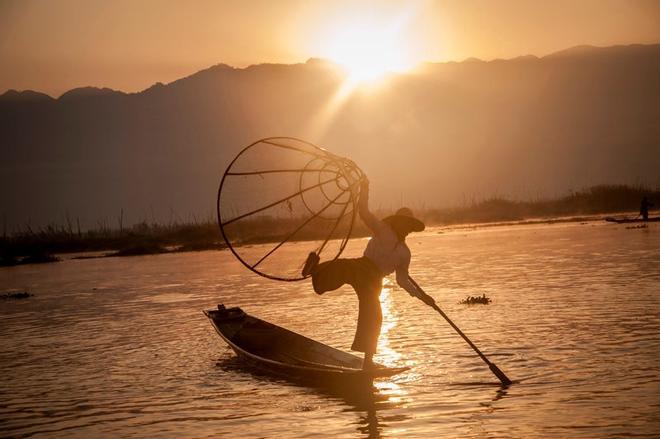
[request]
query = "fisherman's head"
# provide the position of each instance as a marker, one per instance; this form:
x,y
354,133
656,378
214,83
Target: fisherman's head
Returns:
x,y
404,222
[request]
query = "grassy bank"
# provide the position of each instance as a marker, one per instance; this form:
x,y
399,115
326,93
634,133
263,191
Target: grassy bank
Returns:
x,y
140,239
31,246
592,201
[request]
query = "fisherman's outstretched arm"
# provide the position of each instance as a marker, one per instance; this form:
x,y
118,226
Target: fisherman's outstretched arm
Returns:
x,y
403,279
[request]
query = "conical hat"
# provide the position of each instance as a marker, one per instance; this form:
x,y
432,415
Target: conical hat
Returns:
x,y
405,221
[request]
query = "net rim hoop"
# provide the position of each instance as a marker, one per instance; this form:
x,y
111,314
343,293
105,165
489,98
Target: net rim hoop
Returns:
x,y
331,157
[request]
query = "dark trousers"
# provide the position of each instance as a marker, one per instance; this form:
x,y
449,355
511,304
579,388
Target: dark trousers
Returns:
x,y
367,281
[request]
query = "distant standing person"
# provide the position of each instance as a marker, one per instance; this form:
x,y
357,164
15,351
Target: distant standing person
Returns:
x,y
644,208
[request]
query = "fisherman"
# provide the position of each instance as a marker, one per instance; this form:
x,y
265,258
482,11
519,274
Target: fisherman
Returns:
x,y
385,253
644,208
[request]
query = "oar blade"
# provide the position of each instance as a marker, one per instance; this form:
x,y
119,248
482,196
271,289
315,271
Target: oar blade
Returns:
x,y
500,375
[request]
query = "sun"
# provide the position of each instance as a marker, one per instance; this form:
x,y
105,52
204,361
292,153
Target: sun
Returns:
x,y
368,53
369,46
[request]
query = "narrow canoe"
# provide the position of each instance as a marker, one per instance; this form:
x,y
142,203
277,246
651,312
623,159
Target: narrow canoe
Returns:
x,y
632,220
278,351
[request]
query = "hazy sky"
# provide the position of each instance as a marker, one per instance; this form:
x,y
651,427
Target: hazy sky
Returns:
x,y
55,45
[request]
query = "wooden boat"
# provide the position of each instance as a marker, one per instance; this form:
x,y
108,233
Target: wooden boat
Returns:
x,y
278,351
631,220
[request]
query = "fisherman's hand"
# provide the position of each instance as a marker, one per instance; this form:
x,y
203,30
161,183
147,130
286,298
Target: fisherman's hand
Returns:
x,y
364,185
425,298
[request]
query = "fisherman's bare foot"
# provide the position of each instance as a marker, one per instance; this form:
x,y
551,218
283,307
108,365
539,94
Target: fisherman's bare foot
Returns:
x,y
310,264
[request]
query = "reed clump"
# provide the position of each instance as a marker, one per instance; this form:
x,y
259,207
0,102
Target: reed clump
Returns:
x,y
476,300
15,295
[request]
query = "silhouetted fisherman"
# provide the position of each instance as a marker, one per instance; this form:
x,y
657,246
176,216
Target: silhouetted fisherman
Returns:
x,y
385,253
644,208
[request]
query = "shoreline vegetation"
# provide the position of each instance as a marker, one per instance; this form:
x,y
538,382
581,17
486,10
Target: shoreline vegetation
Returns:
x,y
28,246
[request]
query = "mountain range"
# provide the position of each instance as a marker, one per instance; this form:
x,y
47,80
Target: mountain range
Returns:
x,y
442,135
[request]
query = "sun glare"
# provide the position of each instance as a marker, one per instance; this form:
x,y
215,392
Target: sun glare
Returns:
x,y
367,54
369,48
368,45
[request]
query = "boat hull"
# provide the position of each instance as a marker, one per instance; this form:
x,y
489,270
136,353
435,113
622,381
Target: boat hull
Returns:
x,y
632,220
286,354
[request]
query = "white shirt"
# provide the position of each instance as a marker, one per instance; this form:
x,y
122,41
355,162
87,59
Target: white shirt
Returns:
x,y
386,251
384,248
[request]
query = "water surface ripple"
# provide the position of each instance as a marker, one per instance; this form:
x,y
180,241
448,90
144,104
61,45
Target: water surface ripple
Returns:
x,y
118,347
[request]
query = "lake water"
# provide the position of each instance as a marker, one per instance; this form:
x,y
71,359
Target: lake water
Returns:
x,y
119,347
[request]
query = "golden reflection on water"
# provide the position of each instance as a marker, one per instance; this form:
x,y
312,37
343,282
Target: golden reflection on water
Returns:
x,y
386,354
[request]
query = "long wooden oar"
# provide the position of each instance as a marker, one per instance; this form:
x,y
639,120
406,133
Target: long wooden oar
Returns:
x,y
493,368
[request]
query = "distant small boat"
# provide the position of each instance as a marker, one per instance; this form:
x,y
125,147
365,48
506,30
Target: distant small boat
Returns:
x,y
632,220
287,354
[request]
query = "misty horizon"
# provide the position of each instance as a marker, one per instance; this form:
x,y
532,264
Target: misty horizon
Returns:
x,y
525,128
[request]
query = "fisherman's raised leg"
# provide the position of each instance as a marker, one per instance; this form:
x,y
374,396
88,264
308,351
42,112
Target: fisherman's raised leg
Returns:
x,y
330,275
311,264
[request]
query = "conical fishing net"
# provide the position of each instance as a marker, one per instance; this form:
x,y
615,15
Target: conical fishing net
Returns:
x,y
282,198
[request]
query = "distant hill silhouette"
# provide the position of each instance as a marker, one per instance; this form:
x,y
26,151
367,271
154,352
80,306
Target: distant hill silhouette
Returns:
x,y
89,93
527,127
17,97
